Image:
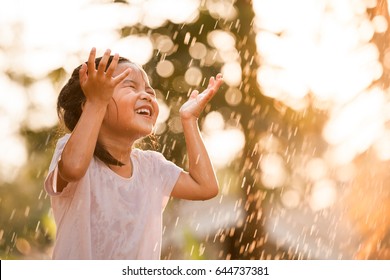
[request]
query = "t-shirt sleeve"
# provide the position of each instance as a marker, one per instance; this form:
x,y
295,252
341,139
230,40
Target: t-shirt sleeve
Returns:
x,y
50,182
169,174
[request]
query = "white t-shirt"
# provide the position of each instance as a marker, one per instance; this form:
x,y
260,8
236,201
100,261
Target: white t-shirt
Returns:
x,y
106,216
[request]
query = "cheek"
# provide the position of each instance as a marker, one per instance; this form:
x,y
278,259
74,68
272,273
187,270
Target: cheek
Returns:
x,y
157,112
118,110
112,112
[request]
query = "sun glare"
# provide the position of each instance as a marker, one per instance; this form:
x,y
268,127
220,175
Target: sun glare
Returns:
x,y
320,55
223,143
331,60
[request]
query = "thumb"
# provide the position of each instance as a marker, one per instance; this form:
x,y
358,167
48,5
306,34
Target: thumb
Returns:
x,y
194,94
83,76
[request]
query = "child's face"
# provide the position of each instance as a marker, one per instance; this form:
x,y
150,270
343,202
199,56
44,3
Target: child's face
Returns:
x,y
133,110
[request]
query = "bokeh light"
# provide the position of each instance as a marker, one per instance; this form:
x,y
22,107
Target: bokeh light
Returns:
x,y
299,135
193,76
198,50
324,56
224,143
165,68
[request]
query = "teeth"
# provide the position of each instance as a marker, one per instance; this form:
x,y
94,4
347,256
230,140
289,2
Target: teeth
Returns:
x,y
143,111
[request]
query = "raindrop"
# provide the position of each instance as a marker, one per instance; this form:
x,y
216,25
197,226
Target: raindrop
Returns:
x,y
13,237
177,221
12,214
187,38
47,139
40,194
37,227
27,211
173,145
201,29
202,249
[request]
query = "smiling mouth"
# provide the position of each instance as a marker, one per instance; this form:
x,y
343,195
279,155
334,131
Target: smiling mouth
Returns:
x,y
144,112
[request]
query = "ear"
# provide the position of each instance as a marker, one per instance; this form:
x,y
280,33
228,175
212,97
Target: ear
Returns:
x,y
82,105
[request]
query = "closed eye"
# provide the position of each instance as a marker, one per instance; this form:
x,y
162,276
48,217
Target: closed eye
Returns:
x,y
129,84
151,92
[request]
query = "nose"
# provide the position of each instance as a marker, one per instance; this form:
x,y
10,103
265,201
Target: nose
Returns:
x,y
146,96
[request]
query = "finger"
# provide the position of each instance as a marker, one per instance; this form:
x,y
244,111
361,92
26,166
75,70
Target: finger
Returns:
x,y
119,78
103,62
194,94
212,88
211,82
83,73
218,79
113,65
91,61
217,83
203,98
208,94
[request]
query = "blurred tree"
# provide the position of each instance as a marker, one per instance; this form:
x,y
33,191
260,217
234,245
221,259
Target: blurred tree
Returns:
x,y
369,196
26,226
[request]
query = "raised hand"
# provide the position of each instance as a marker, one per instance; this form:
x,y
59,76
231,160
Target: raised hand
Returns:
x,y
198,101
98,84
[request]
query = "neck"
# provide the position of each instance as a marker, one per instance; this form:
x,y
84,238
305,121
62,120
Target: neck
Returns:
x,y
119,148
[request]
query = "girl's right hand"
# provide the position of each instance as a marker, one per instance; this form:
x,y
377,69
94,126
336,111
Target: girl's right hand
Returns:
x,y
98,84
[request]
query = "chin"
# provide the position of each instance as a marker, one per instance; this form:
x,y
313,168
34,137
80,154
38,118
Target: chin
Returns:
x,y
145,131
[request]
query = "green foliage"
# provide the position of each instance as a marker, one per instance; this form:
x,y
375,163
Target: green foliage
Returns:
x,y
26,226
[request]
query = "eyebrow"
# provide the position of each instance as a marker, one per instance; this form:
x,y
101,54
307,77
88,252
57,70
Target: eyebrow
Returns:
x,y
130,81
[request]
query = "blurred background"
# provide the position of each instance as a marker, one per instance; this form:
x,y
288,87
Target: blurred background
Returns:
x,y
299,134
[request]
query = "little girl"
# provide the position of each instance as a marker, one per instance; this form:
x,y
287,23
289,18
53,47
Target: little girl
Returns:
x,y
107,197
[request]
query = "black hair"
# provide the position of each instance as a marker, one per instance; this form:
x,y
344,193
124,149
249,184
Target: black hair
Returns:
x,y
69,108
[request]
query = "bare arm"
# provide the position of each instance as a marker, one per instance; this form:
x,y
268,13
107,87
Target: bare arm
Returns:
x,y
98,87
200,182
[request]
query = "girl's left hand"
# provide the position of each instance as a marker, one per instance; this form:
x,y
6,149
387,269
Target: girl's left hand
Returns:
x,y
198,101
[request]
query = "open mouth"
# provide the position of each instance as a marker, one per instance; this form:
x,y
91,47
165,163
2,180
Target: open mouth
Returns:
x,y
144,111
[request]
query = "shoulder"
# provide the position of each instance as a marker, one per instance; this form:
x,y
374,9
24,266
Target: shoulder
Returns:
x,y
147,154
62,141
153,159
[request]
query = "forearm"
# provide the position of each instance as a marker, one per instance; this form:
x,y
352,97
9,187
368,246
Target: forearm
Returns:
x,y
79,149
200,166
